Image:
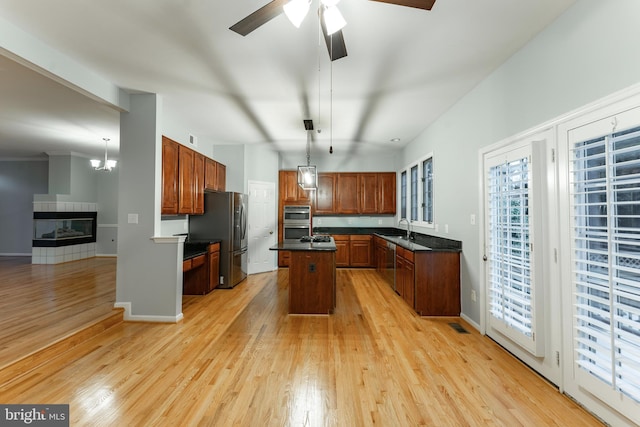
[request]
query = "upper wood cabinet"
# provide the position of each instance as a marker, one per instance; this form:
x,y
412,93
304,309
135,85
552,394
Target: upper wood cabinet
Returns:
x,y
184,178
198,184
347,201
368,193
221,177
290,191
169,176
215,175
387,193
326,194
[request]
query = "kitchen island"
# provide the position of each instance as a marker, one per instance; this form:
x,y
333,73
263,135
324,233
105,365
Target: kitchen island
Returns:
x,y
312,275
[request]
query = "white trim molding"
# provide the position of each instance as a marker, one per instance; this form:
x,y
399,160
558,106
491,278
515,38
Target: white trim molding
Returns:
x,y
128,317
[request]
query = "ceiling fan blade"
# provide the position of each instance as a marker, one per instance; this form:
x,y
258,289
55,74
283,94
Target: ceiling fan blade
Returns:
x,y
419,4
335,42
258,18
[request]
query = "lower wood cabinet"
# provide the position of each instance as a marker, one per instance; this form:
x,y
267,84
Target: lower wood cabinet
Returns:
x,y
201,274
342,250
214,266
437,283
360,250
429,281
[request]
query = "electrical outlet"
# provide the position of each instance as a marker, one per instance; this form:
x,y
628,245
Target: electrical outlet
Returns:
x,y
446,228
472,219
379,222
473,295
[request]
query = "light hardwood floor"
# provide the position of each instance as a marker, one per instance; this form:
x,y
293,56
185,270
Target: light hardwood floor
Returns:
x,y
238,358
41,304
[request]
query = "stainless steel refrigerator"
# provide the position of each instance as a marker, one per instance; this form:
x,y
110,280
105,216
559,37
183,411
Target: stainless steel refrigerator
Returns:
x,y
224,219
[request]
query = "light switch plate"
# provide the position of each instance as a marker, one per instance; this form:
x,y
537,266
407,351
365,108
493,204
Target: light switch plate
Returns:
x,y
132,218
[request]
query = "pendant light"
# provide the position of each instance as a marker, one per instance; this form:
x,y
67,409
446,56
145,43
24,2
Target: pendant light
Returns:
x,y
308,175
108,164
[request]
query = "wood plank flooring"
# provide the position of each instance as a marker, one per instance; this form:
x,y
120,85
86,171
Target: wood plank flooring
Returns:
x,y
238,358
41,304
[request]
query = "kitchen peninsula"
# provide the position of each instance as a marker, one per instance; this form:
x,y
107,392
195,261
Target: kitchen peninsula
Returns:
x,y
312,274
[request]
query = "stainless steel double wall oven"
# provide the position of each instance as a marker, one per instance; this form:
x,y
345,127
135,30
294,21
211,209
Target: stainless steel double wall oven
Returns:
x,y
296,222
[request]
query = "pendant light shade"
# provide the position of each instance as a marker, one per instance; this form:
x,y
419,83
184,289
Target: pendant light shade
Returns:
x,y
296,10
333,20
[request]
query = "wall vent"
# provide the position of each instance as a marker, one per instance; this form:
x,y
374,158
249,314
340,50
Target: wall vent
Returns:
x,y
193,140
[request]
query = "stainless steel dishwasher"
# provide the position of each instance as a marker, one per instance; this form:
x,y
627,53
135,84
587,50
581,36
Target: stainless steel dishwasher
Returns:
x,y
390,265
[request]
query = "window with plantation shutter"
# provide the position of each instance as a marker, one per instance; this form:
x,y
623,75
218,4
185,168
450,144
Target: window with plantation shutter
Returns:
x,y
510,274
605,209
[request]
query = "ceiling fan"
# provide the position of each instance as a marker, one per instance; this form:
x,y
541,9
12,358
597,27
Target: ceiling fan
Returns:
x,y
331,20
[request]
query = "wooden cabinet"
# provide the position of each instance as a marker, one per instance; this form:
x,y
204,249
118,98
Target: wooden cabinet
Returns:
x,y
380,254
325,194
186,180
405,275
368,193
312,282
360,251
185,175
214,266
437,283
198,184
342,250
386,193
290,191
170,150
221,177
347,193
195,278
215,175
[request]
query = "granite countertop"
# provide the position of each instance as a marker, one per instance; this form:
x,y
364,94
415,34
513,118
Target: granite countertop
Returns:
x,y
194,248
418,242
295,245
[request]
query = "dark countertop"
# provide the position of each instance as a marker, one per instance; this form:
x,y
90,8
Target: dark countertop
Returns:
x,y
196,248
418,241
295,245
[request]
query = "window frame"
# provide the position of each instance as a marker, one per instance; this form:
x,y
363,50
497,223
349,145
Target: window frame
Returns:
x,y
408,207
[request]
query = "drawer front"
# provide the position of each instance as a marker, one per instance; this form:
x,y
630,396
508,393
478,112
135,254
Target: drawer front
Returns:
x,y
186,265
198,261
409,255
214,247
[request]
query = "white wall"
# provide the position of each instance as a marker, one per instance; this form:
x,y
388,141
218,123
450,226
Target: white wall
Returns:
x,y
589,52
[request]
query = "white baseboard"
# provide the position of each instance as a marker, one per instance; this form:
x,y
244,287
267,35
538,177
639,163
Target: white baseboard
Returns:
x,y
471,322
128,317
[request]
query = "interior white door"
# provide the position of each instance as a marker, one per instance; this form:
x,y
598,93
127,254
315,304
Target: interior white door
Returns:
x,y
262,227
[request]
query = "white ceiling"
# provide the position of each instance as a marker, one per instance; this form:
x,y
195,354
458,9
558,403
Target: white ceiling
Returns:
x,y
405,67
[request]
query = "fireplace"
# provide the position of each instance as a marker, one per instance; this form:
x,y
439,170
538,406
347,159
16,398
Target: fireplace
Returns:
x,y
55,229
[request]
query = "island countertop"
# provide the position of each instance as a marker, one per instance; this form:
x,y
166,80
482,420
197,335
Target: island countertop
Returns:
x,y
294,245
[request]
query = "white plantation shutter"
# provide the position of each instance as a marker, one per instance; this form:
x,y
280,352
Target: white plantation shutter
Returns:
x,y
511,293
605,206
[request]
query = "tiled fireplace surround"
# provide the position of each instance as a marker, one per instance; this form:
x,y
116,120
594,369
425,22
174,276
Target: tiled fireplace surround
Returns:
x,y
60,254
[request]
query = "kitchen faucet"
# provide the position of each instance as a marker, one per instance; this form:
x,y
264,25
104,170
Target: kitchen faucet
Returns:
x,y
408,226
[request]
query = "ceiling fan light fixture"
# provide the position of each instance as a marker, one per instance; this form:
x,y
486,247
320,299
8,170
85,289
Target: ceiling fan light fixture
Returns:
x,y
296,10
333,20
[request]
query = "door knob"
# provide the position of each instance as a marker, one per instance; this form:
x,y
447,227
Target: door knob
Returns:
x,y
271,232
